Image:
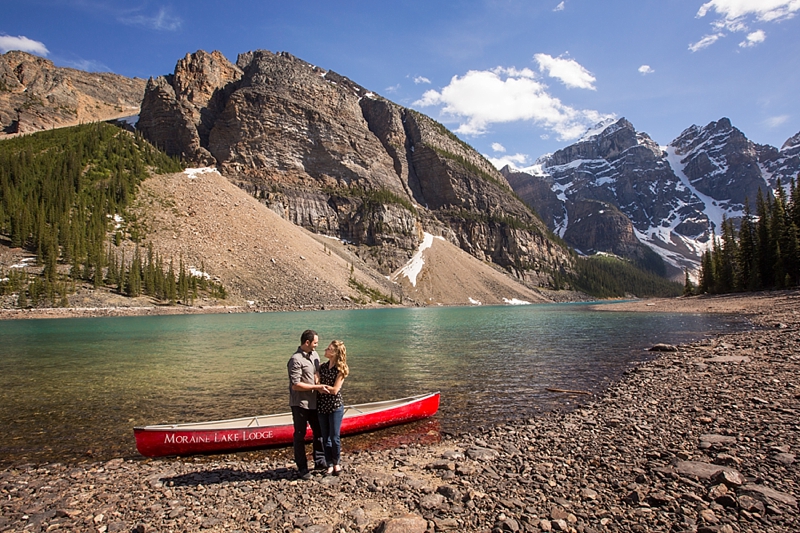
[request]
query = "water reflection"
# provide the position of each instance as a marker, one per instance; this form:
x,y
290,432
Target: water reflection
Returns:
x,y
68,386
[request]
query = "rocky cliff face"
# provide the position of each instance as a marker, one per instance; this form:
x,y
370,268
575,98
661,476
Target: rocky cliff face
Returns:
x,y
674,197
36,95
331,156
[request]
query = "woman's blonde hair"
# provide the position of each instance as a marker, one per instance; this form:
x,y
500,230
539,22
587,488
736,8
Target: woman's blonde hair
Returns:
x,y
341,357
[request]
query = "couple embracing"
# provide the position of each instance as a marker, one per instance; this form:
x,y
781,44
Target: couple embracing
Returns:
x,y
316,400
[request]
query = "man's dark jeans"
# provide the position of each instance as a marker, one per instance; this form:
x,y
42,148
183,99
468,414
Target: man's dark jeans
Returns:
x,y
301,419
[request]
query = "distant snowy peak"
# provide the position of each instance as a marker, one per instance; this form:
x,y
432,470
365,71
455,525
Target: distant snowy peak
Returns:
x,y
674,196
792,146
611,124
604,144
714,134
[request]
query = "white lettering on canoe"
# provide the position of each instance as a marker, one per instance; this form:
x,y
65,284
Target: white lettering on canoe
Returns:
x,y
172,438
256,435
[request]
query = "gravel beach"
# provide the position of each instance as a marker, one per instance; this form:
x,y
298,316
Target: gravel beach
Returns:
x,y
703,438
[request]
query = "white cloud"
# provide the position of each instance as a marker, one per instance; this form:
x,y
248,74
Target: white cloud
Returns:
x,y
559,7
392,89
515,161
645,69
421,79
481,98
774,122
757,37
569,71
735,11
497,147
162,20
736,15
22,43
705,42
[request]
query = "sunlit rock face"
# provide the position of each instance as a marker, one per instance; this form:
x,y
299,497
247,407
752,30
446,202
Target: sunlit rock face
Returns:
x,y
338,159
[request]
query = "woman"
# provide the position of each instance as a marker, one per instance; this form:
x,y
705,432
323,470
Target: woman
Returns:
x,y
330,407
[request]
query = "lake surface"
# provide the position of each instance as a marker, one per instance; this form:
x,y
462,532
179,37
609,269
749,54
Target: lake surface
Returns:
x,y
74,388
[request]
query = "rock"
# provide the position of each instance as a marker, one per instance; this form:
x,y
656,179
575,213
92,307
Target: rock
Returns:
x,y
442,465
431,501
752,489
708,516
729,477
659,499
785,458
449,492
703,470
481,454
635,497
444,524
750,504
712,439
717,491
509,524
663,348
409,523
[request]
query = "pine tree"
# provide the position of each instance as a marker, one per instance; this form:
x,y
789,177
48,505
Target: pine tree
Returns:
x,y
765,252
172,290
778,236
726,266
707,281
688,286
22,299
747,270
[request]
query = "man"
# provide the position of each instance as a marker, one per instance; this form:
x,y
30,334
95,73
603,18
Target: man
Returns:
x,y
303,369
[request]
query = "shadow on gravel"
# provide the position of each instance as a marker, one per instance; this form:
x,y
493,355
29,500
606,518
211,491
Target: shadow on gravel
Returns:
x,y
221,475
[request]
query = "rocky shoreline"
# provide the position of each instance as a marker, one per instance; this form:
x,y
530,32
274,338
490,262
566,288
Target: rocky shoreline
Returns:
x,y
701,439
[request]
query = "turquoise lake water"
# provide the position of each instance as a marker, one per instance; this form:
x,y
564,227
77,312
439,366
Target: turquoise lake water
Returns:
x,y
72,386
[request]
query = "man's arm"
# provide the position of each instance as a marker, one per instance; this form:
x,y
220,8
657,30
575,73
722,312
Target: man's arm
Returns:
x,y
308,387
295,376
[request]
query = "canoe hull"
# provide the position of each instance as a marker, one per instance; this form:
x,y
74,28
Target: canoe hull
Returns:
x,y
233,436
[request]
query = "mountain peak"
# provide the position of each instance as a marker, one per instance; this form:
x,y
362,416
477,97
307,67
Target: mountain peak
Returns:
x,y
607,126
36,95
792,144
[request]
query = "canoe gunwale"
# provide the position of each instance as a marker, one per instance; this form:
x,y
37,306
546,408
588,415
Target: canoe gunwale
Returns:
x,y
214,425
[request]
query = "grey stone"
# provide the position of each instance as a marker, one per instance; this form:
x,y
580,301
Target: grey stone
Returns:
x,y
481,454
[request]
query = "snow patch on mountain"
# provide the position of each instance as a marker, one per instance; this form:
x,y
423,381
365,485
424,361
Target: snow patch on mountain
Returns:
x,y
714,209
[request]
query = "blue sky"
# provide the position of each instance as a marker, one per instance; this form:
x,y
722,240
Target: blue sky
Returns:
x,y
513,78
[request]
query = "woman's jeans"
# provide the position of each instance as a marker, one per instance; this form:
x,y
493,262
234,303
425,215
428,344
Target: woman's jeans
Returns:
x,y
331,425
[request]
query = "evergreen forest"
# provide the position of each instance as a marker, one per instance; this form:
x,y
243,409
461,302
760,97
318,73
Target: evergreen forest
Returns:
x,y
763,254
607,276
64,195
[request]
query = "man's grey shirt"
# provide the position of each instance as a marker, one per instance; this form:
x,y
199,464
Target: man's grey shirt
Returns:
x,y
302,368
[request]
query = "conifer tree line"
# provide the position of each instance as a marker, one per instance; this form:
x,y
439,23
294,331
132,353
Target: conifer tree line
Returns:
x,y
60,192
763,254
612,277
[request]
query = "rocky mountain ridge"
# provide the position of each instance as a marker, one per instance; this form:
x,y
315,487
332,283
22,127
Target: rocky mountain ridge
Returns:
x,y
36,95
672,198
337,159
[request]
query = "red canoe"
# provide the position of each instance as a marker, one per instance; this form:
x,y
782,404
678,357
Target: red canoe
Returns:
x,y
273,430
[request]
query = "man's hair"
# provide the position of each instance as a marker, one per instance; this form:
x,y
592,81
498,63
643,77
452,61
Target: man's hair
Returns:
x,y
308,335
